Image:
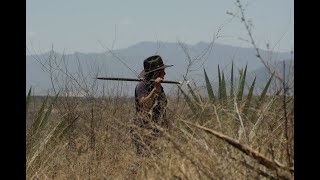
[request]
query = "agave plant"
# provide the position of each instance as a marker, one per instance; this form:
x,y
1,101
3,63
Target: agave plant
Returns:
x,y
222,90
37,140
236,97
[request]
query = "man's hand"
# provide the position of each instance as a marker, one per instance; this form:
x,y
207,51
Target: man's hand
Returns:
x,y
157,83
147,101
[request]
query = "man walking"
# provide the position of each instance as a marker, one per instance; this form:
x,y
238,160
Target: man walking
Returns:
x,y
150,102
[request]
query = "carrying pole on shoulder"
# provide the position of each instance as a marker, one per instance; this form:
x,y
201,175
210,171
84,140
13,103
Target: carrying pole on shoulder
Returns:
x,y
132,79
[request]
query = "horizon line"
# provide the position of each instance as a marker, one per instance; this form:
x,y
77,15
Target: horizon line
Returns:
x,y
123,48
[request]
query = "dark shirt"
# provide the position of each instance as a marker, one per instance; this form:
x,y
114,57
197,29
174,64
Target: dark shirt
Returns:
x,y
157,111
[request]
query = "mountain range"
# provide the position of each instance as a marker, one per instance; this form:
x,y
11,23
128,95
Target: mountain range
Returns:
x,y
128,62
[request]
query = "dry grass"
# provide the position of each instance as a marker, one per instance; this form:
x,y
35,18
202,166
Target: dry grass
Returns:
x,y
97,144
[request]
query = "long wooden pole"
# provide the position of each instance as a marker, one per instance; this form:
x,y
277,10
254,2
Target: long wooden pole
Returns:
x,y
132,79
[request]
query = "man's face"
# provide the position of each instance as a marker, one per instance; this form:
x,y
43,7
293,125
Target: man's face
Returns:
x,y
162,73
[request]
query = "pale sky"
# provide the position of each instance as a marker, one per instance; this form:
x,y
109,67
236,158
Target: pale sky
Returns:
x,y
82,25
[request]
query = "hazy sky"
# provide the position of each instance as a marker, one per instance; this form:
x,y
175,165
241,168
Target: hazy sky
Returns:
x,y
80,25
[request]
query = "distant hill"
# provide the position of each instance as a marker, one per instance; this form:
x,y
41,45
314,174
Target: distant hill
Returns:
x,y
262,75
133,56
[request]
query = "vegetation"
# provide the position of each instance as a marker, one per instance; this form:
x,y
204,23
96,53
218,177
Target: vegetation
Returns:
x,y
213,136
228,133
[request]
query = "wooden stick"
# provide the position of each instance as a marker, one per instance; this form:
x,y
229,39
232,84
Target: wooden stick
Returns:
x,y
132,79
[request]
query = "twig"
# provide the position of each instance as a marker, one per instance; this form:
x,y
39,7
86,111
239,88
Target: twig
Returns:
x,y
241,122
285,115
274,165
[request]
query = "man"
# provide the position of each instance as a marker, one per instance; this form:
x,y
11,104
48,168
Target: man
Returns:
x,y
150,102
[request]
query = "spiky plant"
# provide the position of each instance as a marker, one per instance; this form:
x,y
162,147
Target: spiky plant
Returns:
x,y
39,139
209,88
245,107
241,84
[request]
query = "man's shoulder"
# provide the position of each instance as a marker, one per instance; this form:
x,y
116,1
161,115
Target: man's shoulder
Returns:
x,y
140,84
141,89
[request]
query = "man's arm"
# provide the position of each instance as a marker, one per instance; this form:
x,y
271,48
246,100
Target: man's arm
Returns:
x,y
146,102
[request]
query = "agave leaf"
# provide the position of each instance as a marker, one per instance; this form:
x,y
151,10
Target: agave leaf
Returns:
x,y
193,94
249,97
32,157
231,83
47,114
240,72
241,84
209,87
189,102
220,86
28,100
262,97
36,123
238,85
34,141
223,88
264,92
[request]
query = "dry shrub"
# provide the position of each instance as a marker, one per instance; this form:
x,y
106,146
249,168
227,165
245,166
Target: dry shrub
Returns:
x,y
98,145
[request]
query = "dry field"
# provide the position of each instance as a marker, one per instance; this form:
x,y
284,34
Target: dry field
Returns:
x,y
226,134
88,138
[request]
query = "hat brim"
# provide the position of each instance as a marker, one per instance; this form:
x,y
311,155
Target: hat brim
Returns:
x,y
143,73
